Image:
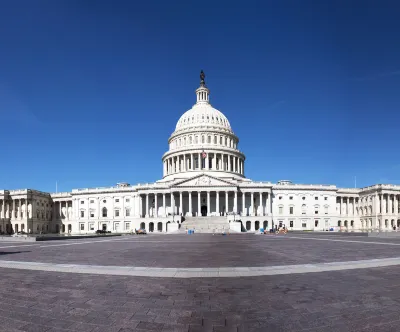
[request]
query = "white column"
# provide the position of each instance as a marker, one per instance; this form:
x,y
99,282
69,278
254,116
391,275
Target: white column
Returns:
x,y
226,202
180,203
156,205
13,212
252,204
261,204
198,203
389,200
208,204
199,161
206,162
60,207
217,203
214,162
191,162
235,209
267,204
243,203
163,203
147,206
190,204
173,203
396,205
184,163
381,197
229,162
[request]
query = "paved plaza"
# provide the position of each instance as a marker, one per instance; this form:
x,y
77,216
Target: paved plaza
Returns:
x,y
297,282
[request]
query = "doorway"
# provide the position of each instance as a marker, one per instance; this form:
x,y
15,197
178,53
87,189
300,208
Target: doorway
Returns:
x,y
204,211
104,227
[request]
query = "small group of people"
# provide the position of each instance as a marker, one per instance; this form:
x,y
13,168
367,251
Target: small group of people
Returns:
x,y
278,229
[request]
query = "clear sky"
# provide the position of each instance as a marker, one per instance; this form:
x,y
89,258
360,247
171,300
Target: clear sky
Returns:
x,y
91,90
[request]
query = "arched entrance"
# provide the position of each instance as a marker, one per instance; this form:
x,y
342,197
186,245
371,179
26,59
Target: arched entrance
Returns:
x,y
265,224
257,225
142,225
203,211
248,225
63,228
159,226
151,227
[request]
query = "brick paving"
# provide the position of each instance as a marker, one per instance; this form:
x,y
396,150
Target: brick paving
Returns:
x,y
350,300
334,301
203,250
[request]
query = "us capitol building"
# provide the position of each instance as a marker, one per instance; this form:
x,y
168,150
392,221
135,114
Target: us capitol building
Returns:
x,y
203,188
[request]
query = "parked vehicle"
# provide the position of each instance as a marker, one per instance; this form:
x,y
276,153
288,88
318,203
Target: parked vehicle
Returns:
x,y
140,231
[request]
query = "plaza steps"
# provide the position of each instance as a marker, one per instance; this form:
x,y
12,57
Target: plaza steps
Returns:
x,y
205,224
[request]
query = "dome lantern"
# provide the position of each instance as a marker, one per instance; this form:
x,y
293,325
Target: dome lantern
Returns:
x,y
203,94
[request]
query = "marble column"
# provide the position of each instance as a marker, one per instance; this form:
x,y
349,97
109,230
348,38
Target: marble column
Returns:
x,y
381,203
190,204
180,203
252,204
226,202
229,163
243,203
235,209
13,210
173,203
164,207
147,206
208,204
198,203
261,204
191,162
199,161
217,204
156,205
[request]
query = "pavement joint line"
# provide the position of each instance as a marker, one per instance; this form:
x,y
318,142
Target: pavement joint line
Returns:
x,y
337,240
225,272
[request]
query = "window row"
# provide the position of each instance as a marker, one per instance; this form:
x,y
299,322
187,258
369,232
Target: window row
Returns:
x,y
303,198
204,139
104,213
303,209
116,200
92,226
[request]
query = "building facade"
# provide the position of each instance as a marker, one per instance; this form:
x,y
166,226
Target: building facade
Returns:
x,y
203,176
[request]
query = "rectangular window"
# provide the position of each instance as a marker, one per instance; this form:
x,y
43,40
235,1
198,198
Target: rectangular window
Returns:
x,y
291,210
304,225
127,200
91,214
117,213
82,227
91,201
128,212
91,227
326,210
82,214
326,198
127,226
290,197
316,211
116,200
82,202
291,223
281,210
316,198
316,223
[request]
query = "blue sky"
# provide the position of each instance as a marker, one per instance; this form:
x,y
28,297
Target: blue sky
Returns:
x,y
91,90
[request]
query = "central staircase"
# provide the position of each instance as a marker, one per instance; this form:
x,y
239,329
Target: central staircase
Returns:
x,y
205,224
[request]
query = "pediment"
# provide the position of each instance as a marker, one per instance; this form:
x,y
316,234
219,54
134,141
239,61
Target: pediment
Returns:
x,y
204,181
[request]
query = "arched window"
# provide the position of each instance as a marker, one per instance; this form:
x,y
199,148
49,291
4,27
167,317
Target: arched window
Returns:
x,y
215,139
190,140
209,139
303,209
184,141
104,212
196,140
202,139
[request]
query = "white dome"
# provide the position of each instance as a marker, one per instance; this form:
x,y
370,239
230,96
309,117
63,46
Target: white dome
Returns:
x,y
203,115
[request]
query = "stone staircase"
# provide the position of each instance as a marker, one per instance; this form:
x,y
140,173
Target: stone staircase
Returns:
x,y
205,224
